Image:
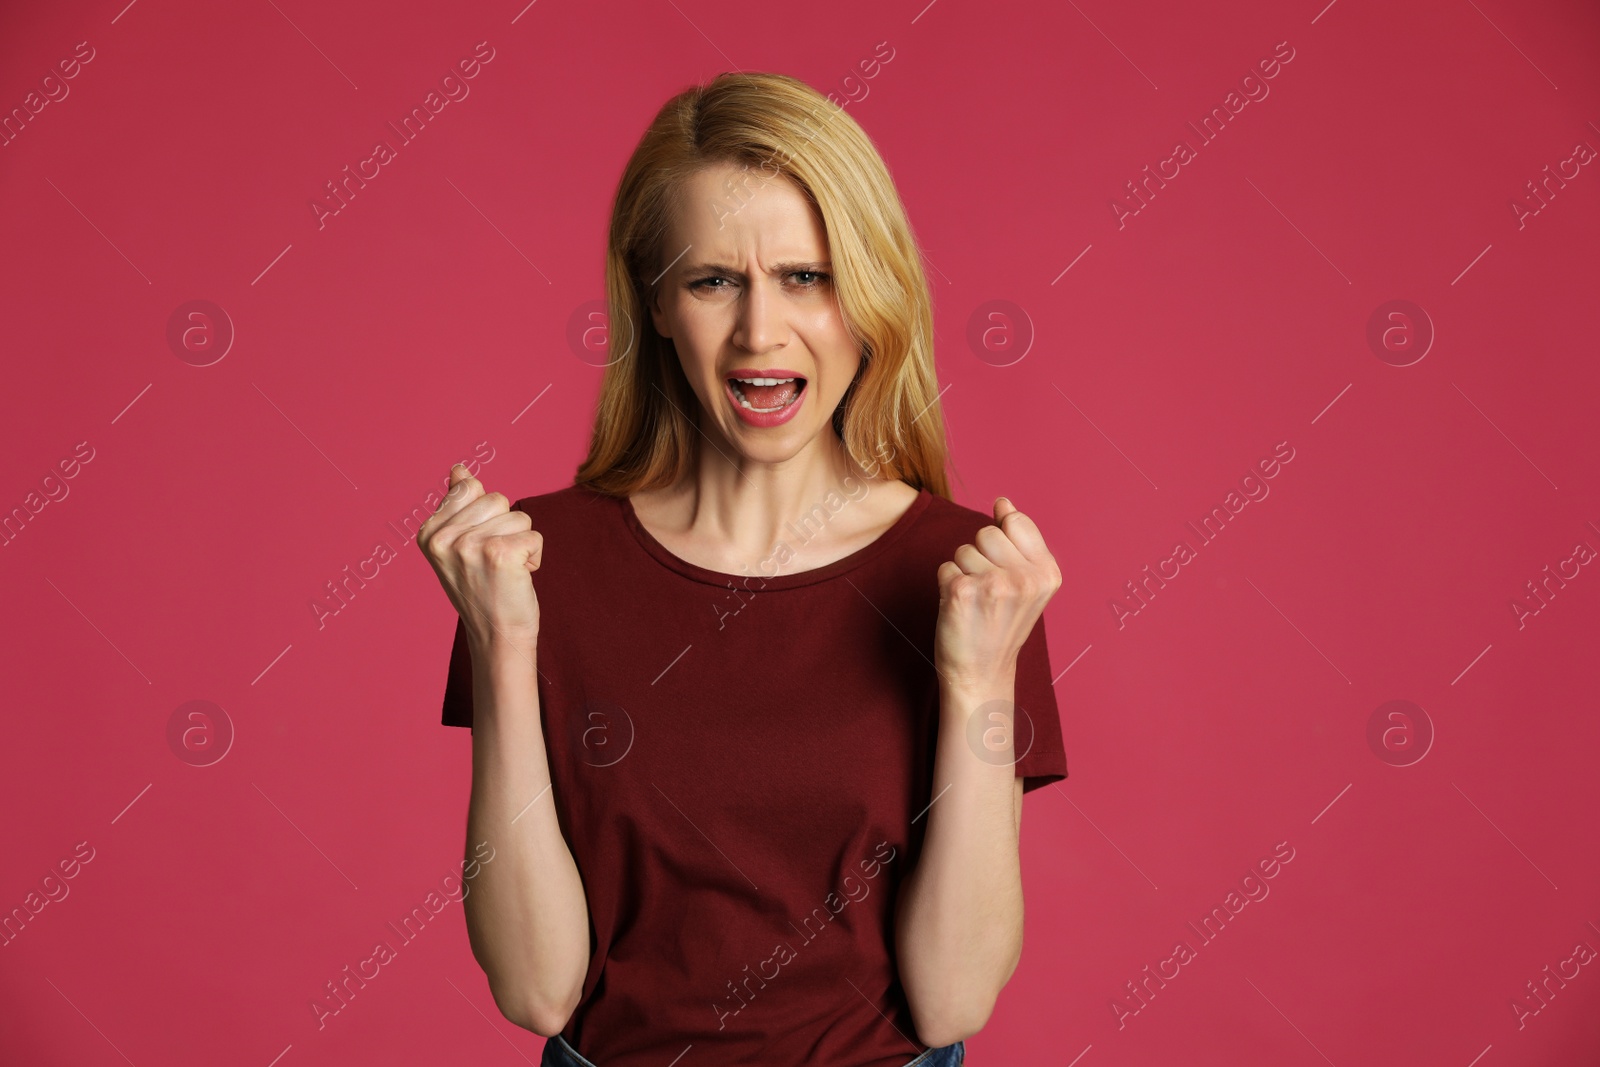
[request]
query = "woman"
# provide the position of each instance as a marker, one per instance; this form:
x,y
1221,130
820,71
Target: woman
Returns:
x,y
742,695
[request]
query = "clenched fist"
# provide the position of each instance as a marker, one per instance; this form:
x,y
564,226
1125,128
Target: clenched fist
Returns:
x,y
484,553
990,596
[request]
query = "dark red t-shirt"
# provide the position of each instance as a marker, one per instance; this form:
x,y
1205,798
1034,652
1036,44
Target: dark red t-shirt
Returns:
x,y
740,766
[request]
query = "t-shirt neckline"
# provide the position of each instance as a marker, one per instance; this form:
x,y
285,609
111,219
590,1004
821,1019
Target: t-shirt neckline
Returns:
x,y
780,579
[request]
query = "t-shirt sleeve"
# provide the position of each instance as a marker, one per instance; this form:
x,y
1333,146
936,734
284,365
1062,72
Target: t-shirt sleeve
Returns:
x,y
458,677
458,681
1045,761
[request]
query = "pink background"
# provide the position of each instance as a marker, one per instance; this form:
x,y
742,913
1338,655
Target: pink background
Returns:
x,y
1229,314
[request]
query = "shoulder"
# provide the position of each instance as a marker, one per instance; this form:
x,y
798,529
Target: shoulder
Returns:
x,y
946,519
569,503
942,527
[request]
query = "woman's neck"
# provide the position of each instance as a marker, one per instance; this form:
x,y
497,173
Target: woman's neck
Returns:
x,y
729,513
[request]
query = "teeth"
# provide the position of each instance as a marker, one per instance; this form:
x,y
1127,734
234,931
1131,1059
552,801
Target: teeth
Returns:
x,y
760,381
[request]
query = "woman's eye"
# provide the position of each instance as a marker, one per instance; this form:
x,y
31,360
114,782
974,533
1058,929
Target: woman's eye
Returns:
x,y
808,279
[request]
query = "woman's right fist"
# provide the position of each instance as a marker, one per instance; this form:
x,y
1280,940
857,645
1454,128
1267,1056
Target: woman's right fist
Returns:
x,y
483,553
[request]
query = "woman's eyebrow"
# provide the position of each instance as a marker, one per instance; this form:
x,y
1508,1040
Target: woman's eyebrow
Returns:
x,y
777,268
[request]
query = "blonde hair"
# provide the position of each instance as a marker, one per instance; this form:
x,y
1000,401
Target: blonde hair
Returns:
x,y
890,420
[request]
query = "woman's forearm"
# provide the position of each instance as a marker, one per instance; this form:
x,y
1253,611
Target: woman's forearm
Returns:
x,y
958,918
527,918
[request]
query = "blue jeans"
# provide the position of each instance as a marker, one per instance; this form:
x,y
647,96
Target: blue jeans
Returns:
x,y
557,1053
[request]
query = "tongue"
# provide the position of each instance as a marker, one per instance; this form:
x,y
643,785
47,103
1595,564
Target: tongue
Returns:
x,y
769,396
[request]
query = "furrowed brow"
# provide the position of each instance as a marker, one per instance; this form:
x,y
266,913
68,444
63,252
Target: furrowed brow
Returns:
x,y
777,268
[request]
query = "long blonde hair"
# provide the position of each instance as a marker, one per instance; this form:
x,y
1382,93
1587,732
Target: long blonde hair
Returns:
x,y
889,419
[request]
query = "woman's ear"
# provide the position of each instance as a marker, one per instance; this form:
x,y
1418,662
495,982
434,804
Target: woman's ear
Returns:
x,y
657,316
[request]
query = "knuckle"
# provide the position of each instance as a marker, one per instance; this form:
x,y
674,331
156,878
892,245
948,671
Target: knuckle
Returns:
x,y
461,549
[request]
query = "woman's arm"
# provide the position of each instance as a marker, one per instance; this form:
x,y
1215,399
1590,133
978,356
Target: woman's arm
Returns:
x,y
958,917
528,921
527,917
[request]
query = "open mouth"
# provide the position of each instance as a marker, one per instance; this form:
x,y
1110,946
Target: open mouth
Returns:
x,y
766,395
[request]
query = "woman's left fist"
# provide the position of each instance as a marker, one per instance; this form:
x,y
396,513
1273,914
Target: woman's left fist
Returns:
x,y
990,596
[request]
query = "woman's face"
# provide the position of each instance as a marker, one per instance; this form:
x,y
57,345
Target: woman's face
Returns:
x,y
748,292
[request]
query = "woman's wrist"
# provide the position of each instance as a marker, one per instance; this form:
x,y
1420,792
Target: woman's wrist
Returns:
x,y
501,650
998,682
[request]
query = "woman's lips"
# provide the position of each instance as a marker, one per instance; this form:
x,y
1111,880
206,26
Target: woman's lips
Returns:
x,y
769,405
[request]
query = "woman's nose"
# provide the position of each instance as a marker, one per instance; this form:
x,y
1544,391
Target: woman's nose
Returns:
x,y
761,316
